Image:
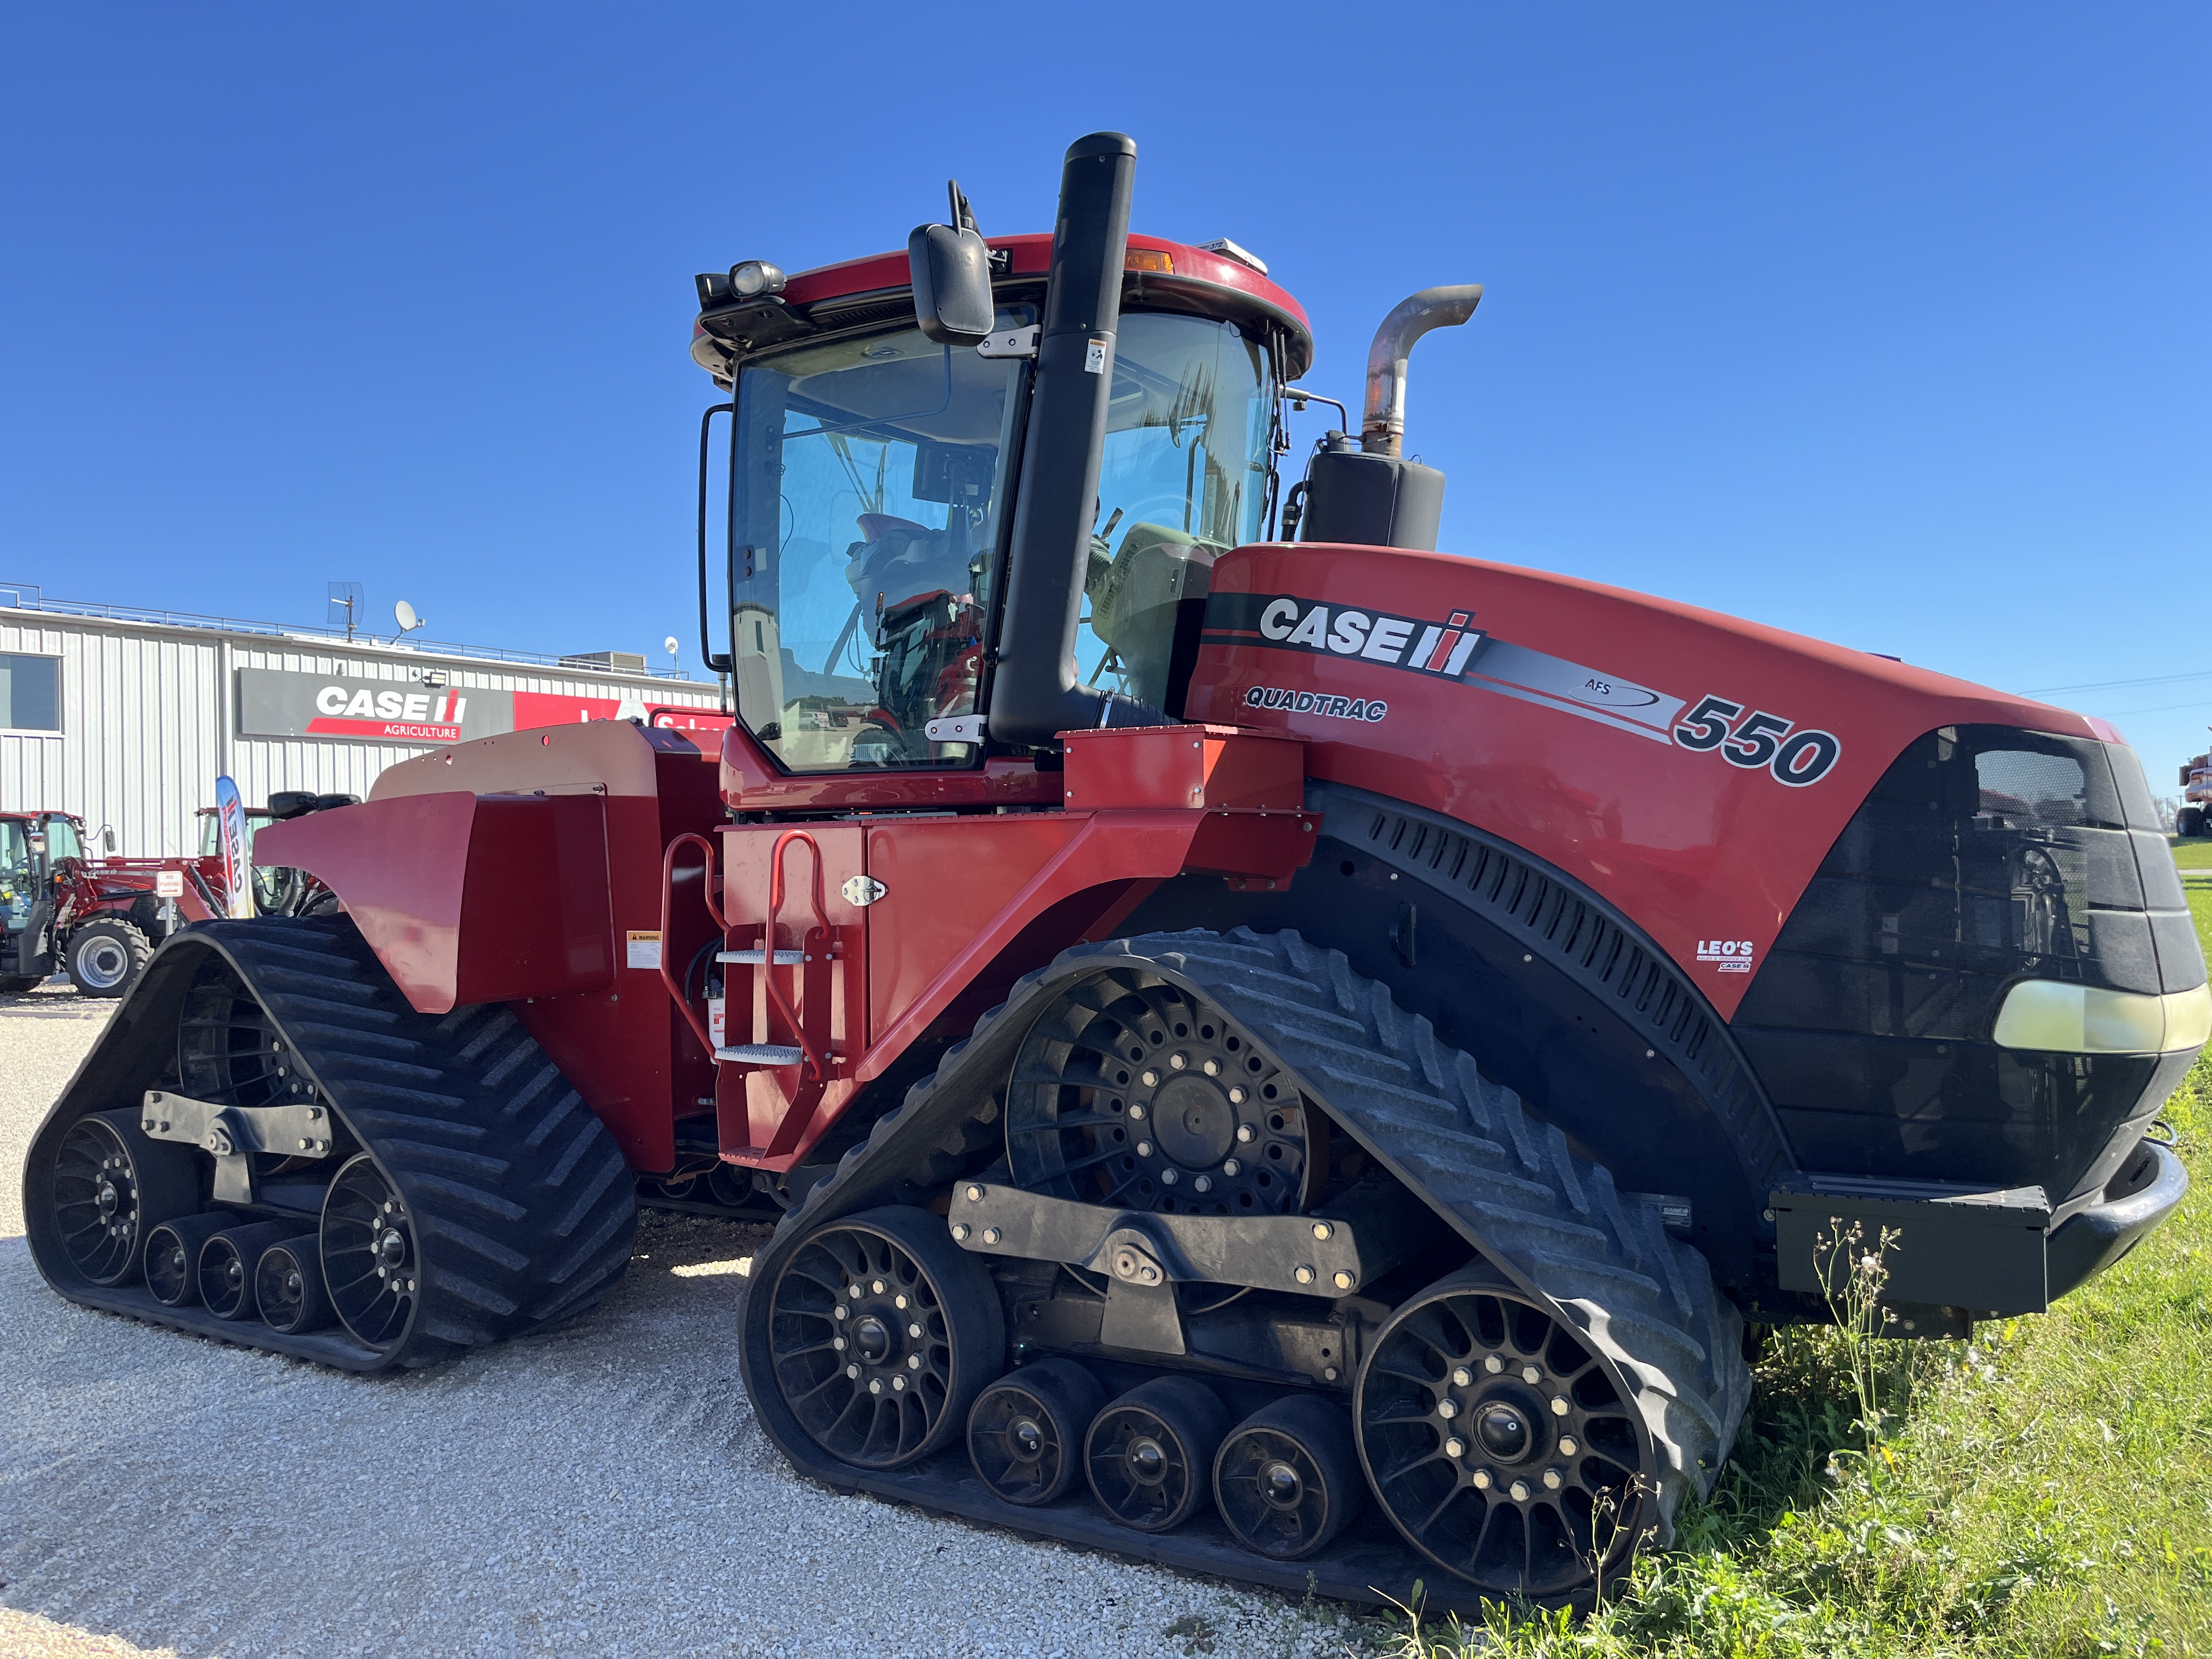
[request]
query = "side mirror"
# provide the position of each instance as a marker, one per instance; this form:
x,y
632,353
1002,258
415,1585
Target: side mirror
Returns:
x,y
951,271
107,838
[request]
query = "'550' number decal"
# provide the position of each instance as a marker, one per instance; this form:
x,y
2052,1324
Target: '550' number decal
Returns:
x,y
1795,755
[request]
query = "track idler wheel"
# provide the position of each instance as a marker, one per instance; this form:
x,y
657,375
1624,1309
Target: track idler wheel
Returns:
x,y
372,1263
1149,1454
288,1286
1500,1445
1025,1433
882,1332
111,1186
229,1262
1287,1479
173,1256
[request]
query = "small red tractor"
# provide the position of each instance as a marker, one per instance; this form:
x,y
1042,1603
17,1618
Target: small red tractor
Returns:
x,y
101,919
1296,1057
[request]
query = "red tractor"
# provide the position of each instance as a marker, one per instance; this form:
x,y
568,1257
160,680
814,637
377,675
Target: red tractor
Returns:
x,y
100,920
1295,1059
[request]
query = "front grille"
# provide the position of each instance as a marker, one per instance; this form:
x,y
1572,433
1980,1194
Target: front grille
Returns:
x,y
1985,855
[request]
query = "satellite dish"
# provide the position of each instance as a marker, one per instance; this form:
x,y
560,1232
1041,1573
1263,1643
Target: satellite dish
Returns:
x,y
670,646
404,614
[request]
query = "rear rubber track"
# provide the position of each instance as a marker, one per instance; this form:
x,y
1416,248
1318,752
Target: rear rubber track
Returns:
x,y
1550,1219
521,1201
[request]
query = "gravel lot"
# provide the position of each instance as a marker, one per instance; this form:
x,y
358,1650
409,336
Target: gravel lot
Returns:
x,y
601,1488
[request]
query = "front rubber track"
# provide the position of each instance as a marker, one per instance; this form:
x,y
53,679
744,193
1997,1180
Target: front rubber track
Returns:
x,y
1551,1220
522,1203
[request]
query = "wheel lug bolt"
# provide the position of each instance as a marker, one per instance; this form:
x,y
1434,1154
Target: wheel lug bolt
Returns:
x,y
913,1362
1211,1068
1482,1478
1554,1479
1492,1363
1447,1408
1150,1077
1567,1446
1455,1447
1168,1177
915,1331
840,1311
1462,1377
879,1290
875,1385
899,1302
838,1343
851,1292
1178,1061
899,1384
1137,1109
1232,1167
1204,1183
1144,1149
1520,1491
1559,1405
852,1371
1244,1131
1528,1373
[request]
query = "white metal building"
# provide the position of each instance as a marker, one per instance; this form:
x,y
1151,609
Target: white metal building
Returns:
x,y
126,716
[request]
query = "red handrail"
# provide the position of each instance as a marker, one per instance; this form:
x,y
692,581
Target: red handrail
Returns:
x,y
767,953
677,992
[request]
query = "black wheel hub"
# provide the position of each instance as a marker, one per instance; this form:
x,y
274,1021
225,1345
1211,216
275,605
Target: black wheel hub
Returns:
x,y
1500,1445
1281,1485
95,1201
370,1257
1139,1096
863,1347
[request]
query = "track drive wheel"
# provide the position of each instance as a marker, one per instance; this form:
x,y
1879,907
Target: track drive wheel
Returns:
x,y
1150,1453
111,1186
372,1263
882,1332
105,958
1025,1433
1288,1479
1498,1444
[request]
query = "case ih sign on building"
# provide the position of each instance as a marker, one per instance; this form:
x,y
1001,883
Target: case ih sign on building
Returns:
x,y
275,703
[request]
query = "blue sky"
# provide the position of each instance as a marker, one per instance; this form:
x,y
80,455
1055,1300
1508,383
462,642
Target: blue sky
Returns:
x,y
1886,324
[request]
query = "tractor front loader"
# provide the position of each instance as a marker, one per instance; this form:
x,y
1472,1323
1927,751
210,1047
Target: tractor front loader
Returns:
x,y
1293,1057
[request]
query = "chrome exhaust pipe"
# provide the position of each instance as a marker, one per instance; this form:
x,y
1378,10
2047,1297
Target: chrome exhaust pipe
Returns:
x,y
1383,423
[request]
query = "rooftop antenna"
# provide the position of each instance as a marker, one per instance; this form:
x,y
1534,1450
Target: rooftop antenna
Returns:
x,y
404,614
348,594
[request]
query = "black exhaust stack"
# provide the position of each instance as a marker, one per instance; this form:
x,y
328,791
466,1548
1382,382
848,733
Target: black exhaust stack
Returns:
x,y
1034,689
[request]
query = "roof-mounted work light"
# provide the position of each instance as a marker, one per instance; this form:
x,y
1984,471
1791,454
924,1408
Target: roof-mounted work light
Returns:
x,y
754,277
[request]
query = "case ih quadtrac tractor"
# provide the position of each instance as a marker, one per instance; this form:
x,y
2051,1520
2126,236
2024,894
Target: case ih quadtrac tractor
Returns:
x,y
1283,1057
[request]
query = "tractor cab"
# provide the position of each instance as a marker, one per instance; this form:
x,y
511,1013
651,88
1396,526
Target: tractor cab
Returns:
x,y
32,846
873,490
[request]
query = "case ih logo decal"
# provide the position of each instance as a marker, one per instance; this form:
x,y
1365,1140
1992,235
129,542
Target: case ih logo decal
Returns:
x,y
1454,648
1290,623
1732,955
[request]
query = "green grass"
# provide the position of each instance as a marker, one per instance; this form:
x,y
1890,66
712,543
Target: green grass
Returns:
x,y
2044,1490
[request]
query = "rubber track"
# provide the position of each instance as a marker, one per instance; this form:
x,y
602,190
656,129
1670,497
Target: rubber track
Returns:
x,y
1547,1215
523,1204
1643,1300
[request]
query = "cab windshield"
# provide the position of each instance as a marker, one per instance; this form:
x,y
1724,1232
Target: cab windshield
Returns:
x,y
869,488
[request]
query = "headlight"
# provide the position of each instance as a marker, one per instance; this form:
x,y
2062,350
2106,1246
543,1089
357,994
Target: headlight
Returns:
x,y
2080,1019
755,277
